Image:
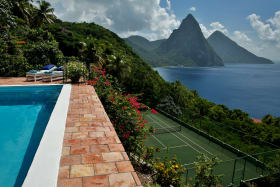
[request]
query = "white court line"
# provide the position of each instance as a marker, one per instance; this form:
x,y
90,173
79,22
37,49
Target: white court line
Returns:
x,y
180,139
188,164
177,146
187,138
164,147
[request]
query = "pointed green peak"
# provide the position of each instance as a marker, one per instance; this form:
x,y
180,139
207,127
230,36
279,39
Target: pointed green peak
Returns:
x,y
189,21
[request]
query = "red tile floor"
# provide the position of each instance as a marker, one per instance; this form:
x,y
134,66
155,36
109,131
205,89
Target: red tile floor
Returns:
x,y
92,153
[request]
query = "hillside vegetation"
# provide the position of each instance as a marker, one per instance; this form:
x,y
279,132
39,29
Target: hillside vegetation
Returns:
x,y
28,43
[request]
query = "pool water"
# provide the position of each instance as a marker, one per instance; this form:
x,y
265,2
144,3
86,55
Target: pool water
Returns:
x,y
24,114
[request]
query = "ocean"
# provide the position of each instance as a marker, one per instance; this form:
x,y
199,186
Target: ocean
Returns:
x,y
253,88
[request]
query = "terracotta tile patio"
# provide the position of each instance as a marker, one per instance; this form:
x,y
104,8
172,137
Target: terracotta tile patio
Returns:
x,y
92,153
22,81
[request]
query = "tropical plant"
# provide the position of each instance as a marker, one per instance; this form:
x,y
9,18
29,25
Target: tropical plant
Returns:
x,y
23,9
118,67
44,14
204,167
169,172
6,17
75,70
124,112
42,53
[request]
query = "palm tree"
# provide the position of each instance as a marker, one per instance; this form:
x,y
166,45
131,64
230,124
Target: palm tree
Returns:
x,y
119,68
44,14
23,9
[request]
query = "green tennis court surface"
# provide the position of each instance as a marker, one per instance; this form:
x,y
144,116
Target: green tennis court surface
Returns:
x,y
187,145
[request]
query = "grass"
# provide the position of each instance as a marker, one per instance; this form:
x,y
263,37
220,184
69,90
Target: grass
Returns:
x,y
186,145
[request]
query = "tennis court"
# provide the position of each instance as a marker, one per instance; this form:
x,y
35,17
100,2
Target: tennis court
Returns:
x,y
187,145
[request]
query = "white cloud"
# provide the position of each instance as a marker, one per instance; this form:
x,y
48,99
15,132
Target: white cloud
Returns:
x,y
168,4
240,36
192,9
121,16
267,31
215,26
275,21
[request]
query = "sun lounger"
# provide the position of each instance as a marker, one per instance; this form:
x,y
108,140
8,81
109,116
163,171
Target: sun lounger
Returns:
x,y
34,75
52,76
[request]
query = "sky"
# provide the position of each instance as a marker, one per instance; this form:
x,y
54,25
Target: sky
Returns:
x,y
253,24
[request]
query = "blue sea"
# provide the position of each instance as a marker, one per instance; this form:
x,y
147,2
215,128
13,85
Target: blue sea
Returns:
x,y
253,88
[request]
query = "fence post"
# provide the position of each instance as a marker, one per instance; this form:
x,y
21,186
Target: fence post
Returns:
x,y
232,180
200,122
187,174
243,174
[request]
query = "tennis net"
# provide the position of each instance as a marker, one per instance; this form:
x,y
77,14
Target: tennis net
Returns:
x,y
168,130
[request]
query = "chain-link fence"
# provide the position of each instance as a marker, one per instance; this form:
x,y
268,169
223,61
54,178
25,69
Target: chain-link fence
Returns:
x,y
242,169
236,165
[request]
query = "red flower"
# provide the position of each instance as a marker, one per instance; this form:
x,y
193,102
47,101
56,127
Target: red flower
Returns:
x,y
124,107
145,155
107,83
126,135
145,136
96,78
93,83
154,111
20,42
144,106
103,73
145,121
111,98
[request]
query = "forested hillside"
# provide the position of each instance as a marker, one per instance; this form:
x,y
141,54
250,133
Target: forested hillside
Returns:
x,y
27,43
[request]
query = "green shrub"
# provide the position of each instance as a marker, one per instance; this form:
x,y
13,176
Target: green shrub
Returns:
x,y
42,53
125,115
39,35
204,168
75,70
6,17
169,172
13,66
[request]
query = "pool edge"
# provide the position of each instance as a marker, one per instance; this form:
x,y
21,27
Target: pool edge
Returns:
x,y
45,165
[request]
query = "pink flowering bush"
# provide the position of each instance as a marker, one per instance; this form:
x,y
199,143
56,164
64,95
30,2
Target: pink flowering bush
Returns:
x,y
125,112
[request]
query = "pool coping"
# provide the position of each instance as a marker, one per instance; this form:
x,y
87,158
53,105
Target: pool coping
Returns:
x,y
33,85
45,165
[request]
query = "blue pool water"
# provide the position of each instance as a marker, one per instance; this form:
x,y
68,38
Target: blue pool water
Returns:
x,y
24,114
253,88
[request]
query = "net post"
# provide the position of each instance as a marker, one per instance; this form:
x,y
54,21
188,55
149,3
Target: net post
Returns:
x,y
232,180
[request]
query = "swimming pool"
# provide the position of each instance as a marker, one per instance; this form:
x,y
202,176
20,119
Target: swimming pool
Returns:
x,y
25,112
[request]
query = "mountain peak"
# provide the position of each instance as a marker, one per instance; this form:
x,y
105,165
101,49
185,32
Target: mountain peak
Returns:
x,y
190,16
189,20
187,46
231,52
218,34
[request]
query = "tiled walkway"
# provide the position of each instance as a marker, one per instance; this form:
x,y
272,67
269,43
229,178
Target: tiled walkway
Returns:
x,y
21,81
92,153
